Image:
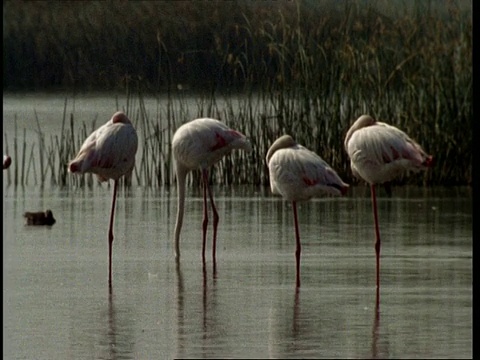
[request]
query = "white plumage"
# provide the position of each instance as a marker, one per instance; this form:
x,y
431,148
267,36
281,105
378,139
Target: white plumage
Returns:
x,y
298,174
109,152
199,144
379,153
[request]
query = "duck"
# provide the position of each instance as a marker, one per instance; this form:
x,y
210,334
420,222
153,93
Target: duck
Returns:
x,y
7,161
40,218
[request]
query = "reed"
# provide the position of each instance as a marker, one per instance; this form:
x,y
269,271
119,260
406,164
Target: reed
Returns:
x,y
304,68
262,120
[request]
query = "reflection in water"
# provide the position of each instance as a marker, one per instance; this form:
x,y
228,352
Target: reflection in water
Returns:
x,y
375,330
208,325
197,319
289,326
296,312
380,348
116,340
58,307
112,330
204,313
204,301
180,311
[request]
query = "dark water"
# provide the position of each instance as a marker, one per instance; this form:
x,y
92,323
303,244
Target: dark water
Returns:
x,y
56,302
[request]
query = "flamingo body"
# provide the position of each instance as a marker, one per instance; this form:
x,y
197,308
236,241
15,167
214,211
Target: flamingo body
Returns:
x,y
199,144
298,174
379,153
109,152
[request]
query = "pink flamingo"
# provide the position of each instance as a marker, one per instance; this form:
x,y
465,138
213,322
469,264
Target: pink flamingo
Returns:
x,y
7,161
199,144
299,174
109,152
379,153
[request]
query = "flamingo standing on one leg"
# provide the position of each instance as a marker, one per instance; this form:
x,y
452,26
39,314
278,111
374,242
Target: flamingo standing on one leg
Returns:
x,y
109,152
299,174
379,153
7,161
197,144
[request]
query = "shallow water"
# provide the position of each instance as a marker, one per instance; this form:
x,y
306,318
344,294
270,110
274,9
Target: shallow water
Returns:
x,y
57,303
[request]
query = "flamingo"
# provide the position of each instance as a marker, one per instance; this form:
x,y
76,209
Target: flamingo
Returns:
x,y
199,144
379,153
298,174
109,152
7,161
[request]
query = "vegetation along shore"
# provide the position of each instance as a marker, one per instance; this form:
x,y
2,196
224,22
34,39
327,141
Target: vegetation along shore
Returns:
x,y
308,68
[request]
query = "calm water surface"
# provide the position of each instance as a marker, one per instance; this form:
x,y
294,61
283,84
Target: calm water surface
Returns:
x,y
21,111
56,302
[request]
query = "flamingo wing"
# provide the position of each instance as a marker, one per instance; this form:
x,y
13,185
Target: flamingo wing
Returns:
x,y
203,142
299,174
381,152
108,152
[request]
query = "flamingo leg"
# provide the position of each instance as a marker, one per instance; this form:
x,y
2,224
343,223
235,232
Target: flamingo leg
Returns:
x,y
110,232
377,236
205,212
297,238
215,225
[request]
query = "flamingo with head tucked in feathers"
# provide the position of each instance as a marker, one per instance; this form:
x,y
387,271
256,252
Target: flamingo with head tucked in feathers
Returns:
x,y
298,174
199,144
379,153
109,152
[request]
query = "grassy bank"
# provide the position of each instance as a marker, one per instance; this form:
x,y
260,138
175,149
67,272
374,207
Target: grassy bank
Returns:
x,y
307,68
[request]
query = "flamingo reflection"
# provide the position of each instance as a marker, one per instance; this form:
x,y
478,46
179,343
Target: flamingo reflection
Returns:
x,y
375,331
180,311
296,313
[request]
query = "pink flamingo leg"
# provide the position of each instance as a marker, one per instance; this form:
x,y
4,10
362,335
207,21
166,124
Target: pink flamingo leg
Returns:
x,y
215,225
297,237
205,212
110,233
377,236
206,188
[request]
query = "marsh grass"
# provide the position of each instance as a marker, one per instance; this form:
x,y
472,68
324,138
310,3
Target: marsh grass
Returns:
x,y
304,68
261,118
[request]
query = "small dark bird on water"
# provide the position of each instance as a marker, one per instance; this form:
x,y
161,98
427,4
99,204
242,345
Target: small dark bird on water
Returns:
x,y
39,218
7,161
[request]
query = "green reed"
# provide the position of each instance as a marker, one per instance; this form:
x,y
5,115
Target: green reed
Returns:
x,y
308,69
261,118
